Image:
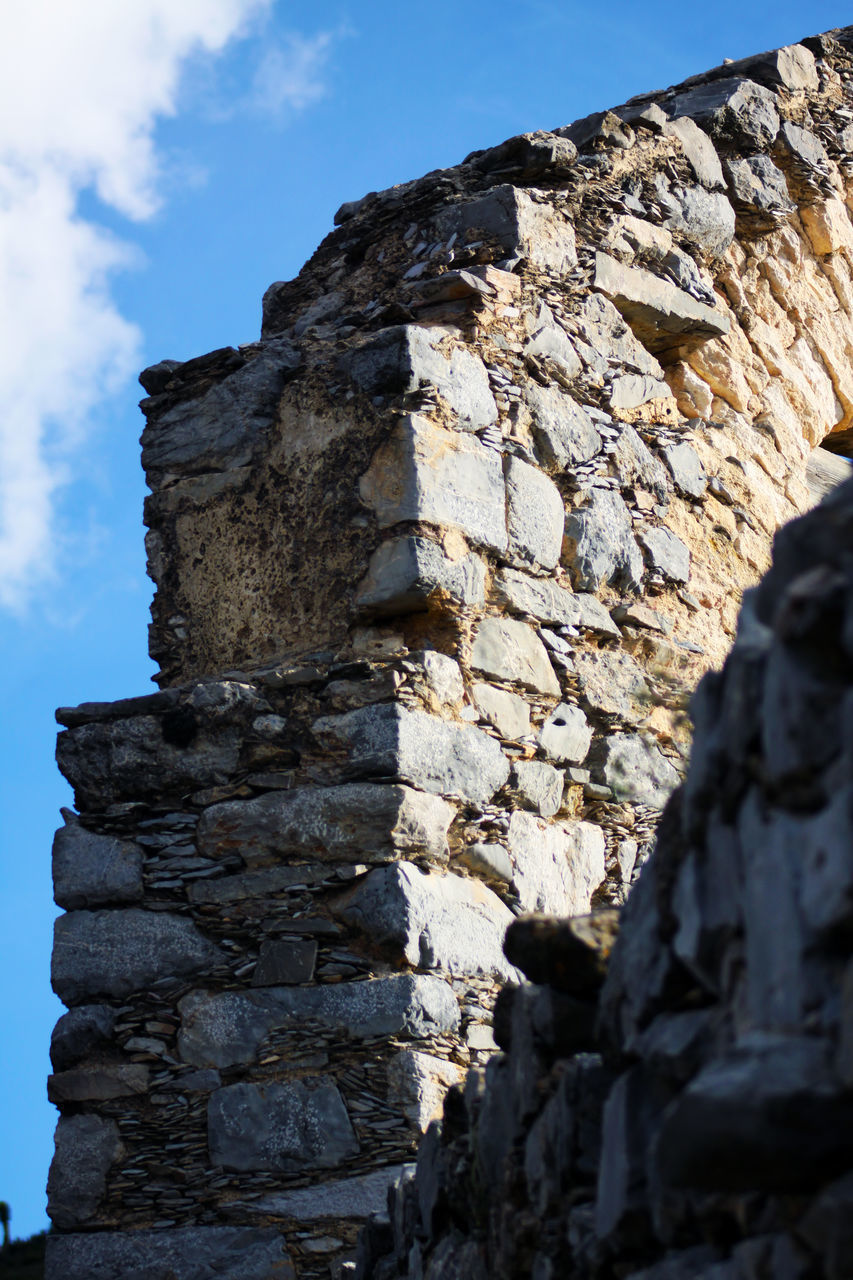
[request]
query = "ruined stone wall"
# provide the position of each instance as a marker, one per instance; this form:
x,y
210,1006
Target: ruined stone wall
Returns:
x,y
438,561
690,1114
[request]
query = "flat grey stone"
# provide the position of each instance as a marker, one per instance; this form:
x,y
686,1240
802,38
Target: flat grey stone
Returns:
x,y
359,819
599,544
357,1197
260,883
130,759
521,225
686,469
222,428
79,1032
640,115
99,1083
759,188
434,755
543,599
563,432
527,156
608,334
509,713
86,1149
91,870
636,465
630,390
612,684
406,357
604,126
551,342
427,474
660,314
192,1253
698,149
287,960
704,218
534,515
510,650
405,574
540,785
665,553
792,67
442,675
488,860
565,736
636,770
226,1029
805,160
735,109
444,922
282,1128
323,308
556,866
112,953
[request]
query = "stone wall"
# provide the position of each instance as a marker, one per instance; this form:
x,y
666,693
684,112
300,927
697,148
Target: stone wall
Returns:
x,y
691,1114
438,561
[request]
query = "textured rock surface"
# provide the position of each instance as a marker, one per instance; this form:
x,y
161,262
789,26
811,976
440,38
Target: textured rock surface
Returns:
x,y
677,1103
438,561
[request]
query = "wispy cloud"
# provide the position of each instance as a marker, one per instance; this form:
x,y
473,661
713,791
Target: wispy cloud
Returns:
x,y
82,87
291,74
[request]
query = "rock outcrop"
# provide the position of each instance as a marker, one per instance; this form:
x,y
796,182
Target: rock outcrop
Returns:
x,y
438,561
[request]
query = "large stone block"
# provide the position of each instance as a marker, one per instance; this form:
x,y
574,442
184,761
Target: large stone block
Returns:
x,y
565,736
90,870
348,1198
112,953
226,1029
438,756
407,575
357,820
759,189
510,650
534,515
735,109
282,1128
522,226
214,418
406,357
699,150
661,315
86,1149
636,770
418,1082
703,218
426,473
612,684
79,1032
544,600
599,544
556,866
191,1253
562,429
439,921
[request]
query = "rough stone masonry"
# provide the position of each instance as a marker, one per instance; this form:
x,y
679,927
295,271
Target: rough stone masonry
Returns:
x,y
438,561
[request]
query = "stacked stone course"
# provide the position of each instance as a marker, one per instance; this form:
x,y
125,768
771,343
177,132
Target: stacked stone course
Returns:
x,y
437,561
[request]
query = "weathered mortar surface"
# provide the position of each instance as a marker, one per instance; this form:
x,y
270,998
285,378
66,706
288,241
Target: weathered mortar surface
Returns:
x,y
437,562
691,1114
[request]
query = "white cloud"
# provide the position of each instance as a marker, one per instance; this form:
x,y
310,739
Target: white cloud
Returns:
x,y
290,74
82,86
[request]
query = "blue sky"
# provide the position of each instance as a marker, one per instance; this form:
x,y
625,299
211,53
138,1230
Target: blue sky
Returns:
x,y
157,171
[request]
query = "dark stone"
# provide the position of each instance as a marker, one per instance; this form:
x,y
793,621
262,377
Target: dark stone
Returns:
x,y
112,953
80,1032
766,1117
283,1128
285,962
192,1253
92,870
86,1148
569,955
